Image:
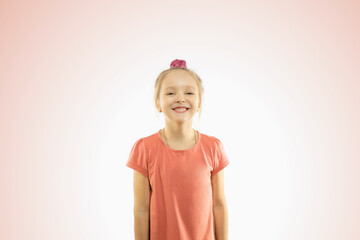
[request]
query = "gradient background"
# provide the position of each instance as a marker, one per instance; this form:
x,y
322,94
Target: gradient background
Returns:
x,y
282,83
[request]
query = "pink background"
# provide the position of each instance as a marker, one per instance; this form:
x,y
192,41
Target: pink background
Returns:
x,y
282,83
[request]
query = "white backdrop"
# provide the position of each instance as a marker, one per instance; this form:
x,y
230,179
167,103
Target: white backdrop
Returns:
x,y
281,86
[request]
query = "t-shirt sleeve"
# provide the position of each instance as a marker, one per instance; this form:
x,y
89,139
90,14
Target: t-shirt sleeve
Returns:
x,y
220,159
138,158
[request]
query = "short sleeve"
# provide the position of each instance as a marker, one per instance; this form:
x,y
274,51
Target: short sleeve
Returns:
x,y
138,158
220,159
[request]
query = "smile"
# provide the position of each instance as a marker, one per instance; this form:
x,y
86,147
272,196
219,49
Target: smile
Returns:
x,y
180,110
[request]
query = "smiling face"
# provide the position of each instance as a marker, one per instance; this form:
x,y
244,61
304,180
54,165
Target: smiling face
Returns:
x,y
178,88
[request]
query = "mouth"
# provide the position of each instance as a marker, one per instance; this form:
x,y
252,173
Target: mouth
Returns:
x,y
180,110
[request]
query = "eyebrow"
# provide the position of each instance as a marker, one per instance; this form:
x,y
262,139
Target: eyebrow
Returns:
x,y
185,86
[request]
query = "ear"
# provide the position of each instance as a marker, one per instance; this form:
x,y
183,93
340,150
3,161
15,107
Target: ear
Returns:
x,y
157,106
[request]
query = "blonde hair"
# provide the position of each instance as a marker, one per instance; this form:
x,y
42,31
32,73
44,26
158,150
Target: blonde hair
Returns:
x,y
198,80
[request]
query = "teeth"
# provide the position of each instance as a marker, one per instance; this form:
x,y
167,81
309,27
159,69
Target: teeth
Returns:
x,y
180,109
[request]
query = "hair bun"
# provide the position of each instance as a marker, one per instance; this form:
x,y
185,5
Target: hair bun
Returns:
x,y
178,63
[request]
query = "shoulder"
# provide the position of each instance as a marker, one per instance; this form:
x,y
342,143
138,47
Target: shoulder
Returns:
x,y
212,140
212,143
147,141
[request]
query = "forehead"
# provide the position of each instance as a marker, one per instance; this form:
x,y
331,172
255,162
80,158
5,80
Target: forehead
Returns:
x,y
179,79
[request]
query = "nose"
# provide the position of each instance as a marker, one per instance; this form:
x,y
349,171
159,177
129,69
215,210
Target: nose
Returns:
x,y
180,98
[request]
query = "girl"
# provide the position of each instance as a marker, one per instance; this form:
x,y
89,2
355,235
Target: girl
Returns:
x,y
178,177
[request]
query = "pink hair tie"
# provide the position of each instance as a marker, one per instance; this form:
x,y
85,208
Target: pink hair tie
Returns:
x,y
178,63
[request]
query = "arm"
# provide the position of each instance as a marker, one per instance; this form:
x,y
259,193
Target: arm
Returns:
x,y
219,206
141,207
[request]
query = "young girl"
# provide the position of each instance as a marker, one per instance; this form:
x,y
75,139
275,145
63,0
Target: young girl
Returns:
x,y
178,177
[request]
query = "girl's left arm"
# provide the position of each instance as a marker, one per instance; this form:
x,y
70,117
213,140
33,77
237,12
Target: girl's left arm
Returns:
x,y
219,206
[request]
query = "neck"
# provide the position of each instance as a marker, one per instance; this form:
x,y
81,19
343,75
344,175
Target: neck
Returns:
x,y
179,133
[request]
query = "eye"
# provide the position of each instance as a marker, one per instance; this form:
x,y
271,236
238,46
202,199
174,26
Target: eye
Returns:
x,y
187,93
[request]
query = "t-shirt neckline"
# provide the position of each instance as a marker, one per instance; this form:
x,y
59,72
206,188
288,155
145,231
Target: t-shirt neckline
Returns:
x,y
179,150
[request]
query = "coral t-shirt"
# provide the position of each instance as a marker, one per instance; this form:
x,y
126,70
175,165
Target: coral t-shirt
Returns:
x,y
180,182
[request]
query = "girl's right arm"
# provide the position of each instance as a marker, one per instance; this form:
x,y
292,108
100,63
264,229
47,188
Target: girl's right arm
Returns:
x,y
141,206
